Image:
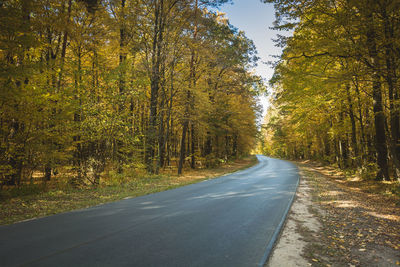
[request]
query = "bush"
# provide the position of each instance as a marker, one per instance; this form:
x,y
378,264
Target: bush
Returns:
x,y
368,171
24,190
212,161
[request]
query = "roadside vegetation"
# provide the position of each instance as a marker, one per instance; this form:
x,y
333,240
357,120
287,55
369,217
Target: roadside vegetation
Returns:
x,y
42,199
336,87
98,90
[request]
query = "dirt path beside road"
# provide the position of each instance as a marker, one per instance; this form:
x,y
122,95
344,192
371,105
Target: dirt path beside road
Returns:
x,y
336,222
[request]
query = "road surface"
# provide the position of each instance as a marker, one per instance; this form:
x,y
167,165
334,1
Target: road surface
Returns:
x,y
228,221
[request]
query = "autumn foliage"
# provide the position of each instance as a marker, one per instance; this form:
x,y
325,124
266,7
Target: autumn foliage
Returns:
x,y
336,86
87,86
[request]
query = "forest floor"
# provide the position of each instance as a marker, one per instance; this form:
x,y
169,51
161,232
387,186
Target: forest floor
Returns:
x,y
47,199
337,220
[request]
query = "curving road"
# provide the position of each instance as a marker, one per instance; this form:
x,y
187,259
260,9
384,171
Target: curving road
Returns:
x,y
229,221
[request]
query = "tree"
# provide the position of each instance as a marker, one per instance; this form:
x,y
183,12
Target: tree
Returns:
x,y
336,50
120,85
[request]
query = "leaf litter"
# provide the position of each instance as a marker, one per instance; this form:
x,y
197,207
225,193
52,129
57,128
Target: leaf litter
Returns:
x,y
359,226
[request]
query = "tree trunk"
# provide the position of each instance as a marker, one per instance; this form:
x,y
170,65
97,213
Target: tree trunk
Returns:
x,y
361,121
151,135
208,144
64,47
78,154
353,126
391,79
122,52
234,146
161,129
183,138
327,147
193,147
379,116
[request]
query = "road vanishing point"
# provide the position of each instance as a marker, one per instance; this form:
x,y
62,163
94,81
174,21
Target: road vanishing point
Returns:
x,y
228,221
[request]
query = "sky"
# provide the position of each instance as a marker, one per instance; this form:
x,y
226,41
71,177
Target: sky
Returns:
x,y
254,18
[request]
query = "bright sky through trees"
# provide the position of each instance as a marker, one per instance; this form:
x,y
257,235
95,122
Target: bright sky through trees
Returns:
x,y
254,18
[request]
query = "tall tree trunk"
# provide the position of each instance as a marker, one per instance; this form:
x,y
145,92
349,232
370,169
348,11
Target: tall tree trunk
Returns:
x,y
226,146
121,84
189,102
64,47
16,159
161,129
122,52
188,141
151,135
234,146
208,144
392,81
168,119
337,152
361,121
78,154
161,143
185,127
353,126
327,147
193,147
193,78
379,116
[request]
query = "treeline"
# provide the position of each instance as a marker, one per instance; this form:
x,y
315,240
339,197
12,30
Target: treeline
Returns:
x,y
88,85
336,86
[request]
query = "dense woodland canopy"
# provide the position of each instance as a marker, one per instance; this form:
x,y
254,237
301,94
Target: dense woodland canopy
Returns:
x,y
121,84
336,86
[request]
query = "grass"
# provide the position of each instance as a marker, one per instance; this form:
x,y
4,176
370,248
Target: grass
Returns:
x,y
39,200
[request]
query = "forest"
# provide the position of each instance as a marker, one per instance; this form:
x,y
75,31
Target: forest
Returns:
x,y
93,85
336,95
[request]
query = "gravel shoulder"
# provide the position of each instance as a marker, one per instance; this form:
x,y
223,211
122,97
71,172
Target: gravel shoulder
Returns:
x,y
335,222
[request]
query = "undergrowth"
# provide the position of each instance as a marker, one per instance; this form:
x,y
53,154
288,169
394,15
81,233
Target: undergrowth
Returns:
x,y
42,199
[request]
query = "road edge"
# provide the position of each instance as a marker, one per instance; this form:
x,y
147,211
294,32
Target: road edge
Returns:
x,y
278,230
205,179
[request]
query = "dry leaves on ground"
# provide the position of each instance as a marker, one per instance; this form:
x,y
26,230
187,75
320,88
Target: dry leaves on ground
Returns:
x,y
360,228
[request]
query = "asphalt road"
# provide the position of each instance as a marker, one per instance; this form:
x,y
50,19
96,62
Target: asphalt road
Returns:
x,y
229,221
